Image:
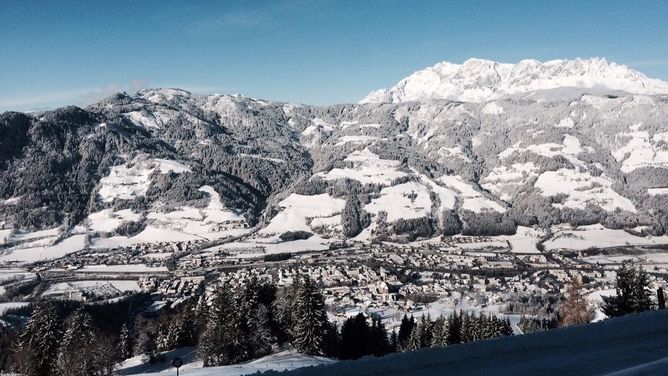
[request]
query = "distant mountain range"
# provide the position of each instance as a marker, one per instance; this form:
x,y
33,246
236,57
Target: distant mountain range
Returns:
x,y
478,80
476,148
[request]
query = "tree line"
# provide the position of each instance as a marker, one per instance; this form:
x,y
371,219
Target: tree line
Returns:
x,y
232,326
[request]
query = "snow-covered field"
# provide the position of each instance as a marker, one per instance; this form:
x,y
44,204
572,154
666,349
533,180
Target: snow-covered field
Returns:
x,y
582,188
299,210
95,288
42,252
473,200
596,349
286,360
130,180
367,168
407,200
585,237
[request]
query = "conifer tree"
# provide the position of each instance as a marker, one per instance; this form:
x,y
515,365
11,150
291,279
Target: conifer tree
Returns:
x,y
379,344
38,344
355,337
633,294
394,341
405,330
441,331
74,355
455,329
219,342
311,319
124,345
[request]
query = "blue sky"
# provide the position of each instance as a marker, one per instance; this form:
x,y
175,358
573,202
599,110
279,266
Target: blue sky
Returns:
x,y
55,52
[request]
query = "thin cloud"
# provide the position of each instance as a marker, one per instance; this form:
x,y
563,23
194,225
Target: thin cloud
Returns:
x,y
78,97
252,18
238,20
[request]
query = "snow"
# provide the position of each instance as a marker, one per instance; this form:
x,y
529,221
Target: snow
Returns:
x,y
256,156
569,149
596,236
367,168
446,196
107,220
398,203
504,181
473,200
260,247
5,234
130,180
656,368
657,191
299,209
582,189
97,288
286,360
640,151
182,224
565,123
492,108
524,240
213,222
454,152
127,268
149,235
478,80
594,349
66,246
11,305
356,139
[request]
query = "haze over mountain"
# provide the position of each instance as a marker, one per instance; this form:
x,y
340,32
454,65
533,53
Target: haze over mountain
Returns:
x,y
477,148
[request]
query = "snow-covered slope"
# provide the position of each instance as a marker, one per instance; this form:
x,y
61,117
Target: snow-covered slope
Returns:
x,y
478,80
167,165
286,360
596,349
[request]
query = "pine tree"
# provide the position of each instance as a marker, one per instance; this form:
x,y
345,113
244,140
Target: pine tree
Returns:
x,y
405,330
220,342
355,337
455,329
286,304
633,293
379,344
441,331
394,341
124,344
422,335
311,319
74,355
574,310
38,344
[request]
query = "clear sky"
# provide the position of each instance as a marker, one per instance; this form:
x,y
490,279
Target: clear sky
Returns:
x,y
318,52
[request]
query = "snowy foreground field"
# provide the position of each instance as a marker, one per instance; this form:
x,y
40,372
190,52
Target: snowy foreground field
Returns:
x,y
631,345
626,346
287,360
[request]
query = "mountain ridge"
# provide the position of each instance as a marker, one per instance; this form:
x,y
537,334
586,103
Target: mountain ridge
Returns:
x,y
480,80
167,165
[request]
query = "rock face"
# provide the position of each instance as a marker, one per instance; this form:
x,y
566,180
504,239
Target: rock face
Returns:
x,y
414,164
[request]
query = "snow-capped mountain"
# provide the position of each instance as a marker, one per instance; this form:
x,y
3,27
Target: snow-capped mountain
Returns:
x,y
164,164
478,80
